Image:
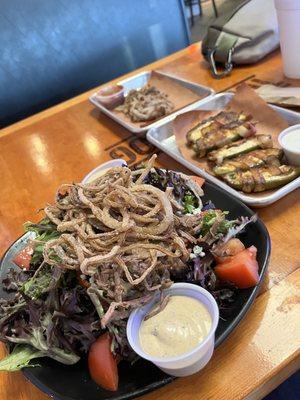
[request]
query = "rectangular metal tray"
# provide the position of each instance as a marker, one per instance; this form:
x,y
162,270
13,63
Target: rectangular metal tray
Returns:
x,y
140,80
163,138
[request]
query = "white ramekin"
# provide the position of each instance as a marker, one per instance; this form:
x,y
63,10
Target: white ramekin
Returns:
x,y
292,155
187,363
112,100
107,165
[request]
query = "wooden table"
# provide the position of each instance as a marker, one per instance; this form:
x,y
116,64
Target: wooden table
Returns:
x,y
63,143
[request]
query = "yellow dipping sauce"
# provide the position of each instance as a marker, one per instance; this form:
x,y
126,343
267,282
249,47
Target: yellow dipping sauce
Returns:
x,y
178,328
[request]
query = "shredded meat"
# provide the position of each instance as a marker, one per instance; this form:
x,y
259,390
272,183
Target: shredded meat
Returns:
x,y
146,104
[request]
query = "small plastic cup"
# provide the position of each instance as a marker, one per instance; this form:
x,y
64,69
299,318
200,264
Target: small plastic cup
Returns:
x,y
288,15
291,151
111,96
188,363
98,171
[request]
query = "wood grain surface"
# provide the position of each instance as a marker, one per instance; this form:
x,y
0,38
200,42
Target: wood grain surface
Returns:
x,y
65,142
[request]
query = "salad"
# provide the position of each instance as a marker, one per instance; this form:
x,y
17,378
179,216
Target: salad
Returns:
x,y
107,247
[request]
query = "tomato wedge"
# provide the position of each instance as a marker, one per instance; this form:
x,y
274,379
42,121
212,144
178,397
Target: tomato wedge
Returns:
x,y
241,269
23,258
200,181
102,363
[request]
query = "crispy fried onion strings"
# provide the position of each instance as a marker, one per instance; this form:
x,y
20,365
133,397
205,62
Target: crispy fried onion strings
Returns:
x,y
122,236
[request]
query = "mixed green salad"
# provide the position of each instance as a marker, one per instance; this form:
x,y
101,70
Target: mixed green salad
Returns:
x,y
105,248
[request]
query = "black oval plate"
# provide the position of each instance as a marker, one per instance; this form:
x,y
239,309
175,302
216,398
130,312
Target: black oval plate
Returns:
x,y
74,383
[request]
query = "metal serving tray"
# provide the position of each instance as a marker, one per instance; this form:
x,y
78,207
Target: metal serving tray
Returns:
x,y
163,138
140,80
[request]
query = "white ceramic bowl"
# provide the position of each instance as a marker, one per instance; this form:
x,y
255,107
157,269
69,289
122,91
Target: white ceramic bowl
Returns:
x,y
187,363
103,167
292,153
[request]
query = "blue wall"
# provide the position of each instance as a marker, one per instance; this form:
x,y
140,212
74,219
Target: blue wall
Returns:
x,y
52,50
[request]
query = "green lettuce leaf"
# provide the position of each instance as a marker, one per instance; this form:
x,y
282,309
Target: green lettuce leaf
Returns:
x,y
44,231
37,285
190,203
20,358
209,219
